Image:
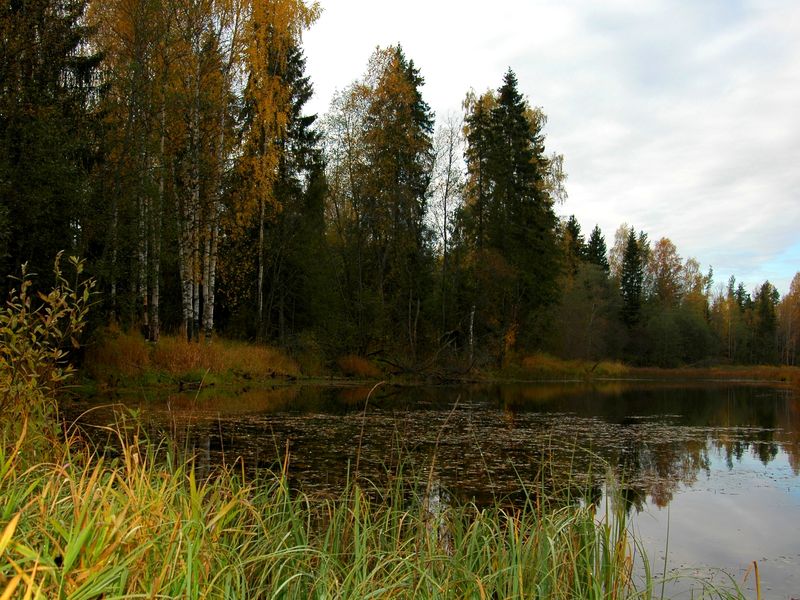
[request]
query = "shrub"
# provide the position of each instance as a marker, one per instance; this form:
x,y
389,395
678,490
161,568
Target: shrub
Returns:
x,y
35,331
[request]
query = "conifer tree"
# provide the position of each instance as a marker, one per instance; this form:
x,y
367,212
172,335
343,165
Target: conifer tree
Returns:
x,y
295,235
478,129
574,245
765,305
380,158
632,280
399,144
48,91
596,252
508,210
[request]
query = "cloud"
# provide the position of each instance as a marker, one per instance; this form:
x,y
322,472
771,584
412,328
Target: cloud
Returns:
x,y
679,117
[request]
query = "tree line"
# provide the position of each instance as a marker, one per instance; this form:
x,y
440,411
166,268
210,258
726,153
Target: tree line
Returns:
x,y
168,144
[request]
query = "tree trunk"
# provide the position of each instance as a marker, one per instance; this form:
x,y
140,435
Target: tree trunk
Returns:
x,y
209,293
212,279
261,266
114,243
184,266
209,278
194,217
143,271
472,335
155,307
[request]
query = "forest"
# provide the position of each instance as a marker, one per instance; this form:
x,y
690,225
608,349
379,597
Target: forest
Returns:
x,y
168,145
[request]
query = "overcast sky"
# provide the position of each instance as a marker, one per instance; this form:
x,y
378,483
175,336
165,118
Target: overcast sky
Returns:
x,y
679,117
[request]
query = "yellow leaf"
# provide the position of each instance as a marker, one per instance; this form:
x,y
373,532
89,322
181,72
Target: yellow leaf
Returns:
x,y
8,532
12,585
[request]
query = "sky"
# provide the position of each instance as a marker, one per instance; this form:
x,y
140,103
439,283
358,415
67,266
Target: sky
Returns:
x,y
678,117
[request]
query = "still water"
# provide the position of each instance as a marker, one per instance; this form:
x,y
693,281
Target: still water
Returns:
x,y
709,473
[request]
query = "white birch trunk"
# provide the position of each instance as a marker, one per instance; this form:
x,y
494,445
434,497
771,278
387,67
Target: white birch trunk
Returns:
x,y
206,277
155,301
261,266
209,298
143,269
184,257
209,293
194,216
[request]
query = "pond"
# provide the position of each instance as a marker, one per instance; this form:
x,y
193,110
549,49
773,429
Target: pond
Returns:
x,y
709,472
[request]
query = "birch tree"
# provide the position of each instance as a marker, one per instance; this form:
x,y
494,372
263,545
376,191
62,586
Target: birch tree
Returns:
x,y
273,29
447,185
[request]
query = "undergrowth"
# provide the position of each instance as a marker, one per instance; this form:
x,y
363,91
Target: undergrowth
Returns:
x,y
124,357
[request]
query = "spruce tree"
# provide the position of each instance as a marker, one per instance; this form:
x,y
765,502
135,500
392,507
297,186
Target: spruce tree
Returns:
x,y
296,233
596,252
400,146
522,223
294,266
632,281
379,198
512,253
478,128
765,309
574,245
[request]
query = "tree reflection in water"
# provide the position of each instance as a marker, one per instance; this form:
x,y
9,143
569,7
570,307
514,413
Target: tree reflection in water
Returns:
x,y
499,442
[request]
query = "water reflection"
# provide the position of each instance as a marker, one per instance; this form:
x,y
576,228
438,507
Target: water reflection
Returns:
x,y
487,442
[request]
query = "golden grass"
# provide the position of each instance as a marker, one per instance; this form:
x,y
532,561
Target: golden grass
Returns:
x,y
148,525
118,354
783,373
358,366
544,366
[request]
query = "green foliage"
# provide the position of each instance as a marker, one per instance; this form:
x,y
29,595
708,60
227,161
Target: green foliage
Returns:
x,y
575,249
632,279
588,316
35,331
47,130
509,211
596,252
765,301
183,169
380,156
297,282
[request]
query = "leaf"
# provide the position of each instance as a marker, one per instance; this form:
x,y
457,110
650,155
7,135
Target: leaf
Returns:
x,y
12,585
74,549
8,532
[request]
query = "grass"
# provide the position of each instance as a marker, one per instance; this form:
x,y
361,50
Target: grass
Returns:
x,y
358,367
542,366
124,359
119,357
545,366
145,525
